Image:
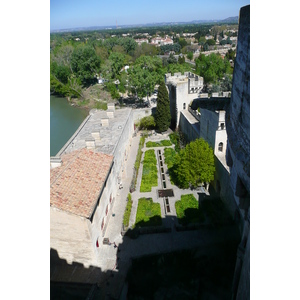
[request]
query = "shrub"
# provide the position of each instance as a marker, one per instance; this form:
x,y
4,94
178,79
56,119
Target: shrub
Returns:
x,y
127,211
175,139
147,123
162,143
137,164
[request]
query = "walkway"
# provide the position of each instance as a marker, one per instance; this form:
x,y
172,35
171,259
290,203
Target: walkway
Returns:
x,y
148,243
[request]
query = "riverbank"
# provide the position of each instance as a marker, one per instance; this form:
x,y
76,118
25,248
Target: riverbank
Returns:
x,y
94,96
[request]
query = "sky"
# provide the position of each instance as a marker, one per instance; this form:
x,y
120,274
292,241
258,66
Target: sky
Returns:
x,y
65,14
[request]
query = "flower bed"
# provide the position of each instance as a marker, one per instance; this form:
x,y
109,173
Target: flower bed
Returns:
x,y
148,213
149,176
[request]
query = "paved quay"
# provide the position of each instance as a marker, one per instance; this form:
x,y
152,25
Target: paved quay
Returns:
x,y
115,261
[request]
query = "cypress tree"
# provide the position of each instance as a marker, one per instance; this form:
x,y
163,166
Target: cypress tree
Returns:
x,y
163,114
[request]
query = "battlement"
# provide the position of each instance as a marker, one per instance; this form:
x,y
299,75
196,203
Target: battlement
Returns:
x,y
194,82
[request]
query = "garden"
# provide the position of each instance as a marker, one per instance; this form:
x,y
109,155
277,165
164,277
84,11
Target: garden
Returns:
x,y
162,143
149,175
188,210
148,213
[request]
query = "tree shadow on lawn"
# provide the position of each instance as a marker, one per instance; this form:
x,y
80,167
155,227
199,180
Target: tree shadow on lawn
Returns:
x,y
153,225
192,216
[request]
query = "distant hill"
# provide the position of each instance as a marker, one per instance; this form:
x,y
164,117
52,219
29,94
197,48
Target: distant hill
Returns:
x,y
231,20
227,20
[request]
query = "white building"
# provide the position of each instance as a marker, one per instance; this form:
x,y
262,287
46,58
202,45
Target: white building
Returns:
x,y
182,90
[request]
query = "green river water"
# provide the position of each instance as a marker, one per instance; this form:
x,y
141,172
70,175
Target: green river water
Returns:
x,y
64,121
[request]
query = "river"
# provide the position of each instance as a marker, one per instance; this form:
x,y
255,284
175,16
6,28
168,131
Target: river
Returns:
x,y
64,121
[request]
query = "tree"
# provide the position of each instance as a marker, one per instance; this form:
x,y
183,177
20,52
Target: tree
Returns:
x,y
190,55
181,59
194,164
147,122
85,64
162,114
144,74
117,63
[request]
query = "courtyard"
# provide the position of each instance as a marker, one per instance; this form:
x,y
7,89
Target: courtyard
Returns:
x,y
160,213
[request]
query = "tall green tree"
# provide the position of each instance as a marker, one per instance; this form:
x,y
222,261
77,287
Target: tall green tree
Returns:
x,y
162,114
85,64
194,164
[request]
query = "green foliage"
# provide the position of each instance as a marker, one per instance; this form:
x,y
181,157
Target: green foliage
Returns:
x,y
127,212
169,155
187,210
182,42
190,55
85,64
144,74
175,139
139,154
158,144
149,176
101,105
163,114
175,68
230,54
117,61
167,48
147,123
181,59
211,42
111,87
212,67
194,164
137,163
148,213
172,59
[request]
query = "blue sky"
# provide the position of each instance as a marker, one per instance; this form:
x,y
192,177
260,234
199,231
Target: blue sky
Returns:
x,y
78,13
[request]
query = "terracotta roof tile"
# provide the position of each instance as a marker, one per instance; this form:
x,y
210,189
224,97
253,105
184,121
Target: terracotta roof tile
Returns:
x,y
75,186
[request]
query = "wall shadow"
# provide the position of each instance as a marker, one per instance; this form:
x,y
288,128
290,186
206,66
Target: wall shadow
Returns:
x,y
193,273
73,281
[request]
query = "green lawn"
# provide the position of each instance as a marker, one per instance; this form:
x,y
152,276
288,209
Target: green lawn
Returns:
x,y
149,175
187,210
148,213
159,143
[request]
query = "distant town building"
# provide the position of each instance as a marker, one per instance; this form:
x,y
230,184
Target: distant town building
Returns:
x,y
140,41
159,41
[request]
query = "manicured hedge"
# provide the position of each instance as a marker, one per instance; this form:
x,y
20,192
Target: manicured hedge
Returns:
x,y
159,143
127,211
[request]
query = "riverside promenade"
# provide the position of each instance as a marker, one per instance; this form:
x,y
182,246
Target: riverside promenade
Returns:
x,y
116,261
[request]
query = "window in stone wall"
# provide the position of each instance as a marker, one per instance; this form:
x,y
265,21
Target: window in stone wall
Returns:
x,y
222,126
220,148
102,224
106,210
183,105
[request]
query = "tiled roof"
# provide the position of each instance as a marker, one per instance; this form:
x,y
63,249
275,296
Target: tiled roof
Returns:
x,y
76,184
